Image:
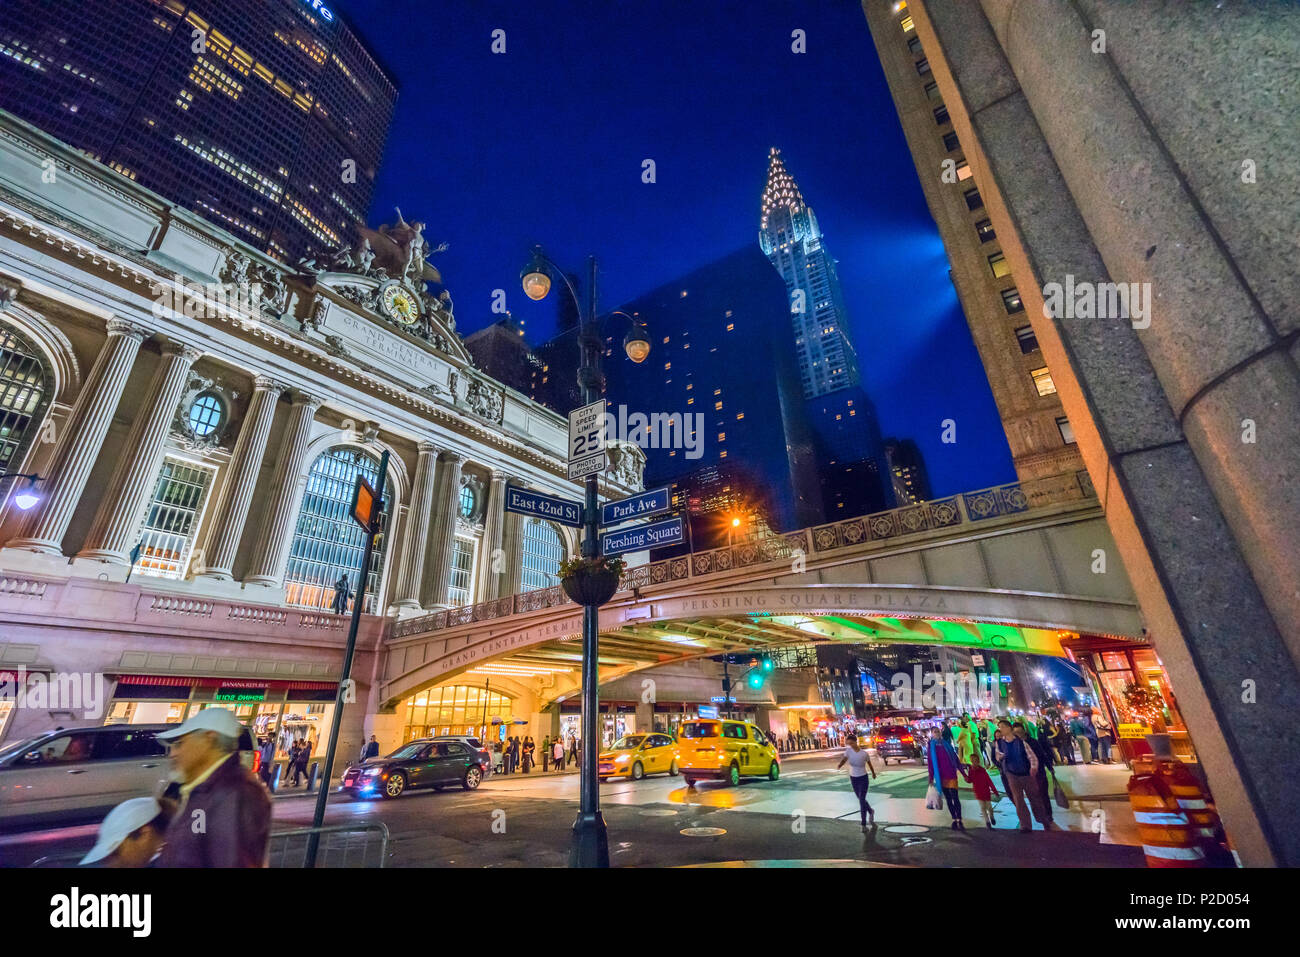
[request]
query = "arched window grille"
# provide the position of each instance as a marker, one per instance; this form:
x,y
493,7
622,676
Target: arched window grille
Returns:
x,y
327,542
25,382
543,550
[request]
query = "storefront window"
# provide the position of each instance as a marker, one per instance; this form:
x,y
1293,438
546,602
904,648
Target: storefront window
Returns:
x,y
457,709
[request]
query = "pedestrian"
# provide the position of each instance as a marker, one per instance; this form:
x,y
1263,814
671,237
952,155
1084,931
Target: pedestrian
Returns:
x,y
131,835
292,762
371,749
516,750
1019,766
1080,735
528,748
266,759
1105,736
1044,755
944,767
859,762
573,749
1063,743
965,743
985,792
304,755
1090,732
216,792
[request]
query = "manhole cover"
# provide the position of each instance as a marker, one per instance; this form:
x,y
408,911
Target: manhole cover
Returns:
x,y
658,812
906,829
704,831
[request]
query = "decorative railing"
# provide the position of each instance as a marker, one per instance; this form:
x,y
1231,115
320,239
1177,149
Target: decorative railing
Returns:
x,y
953,511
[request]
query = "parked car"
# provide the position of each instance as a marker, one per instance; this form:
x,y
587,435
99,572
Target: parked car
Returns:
x,y
426,763
76,775
484,755
728,750
636,755
895,741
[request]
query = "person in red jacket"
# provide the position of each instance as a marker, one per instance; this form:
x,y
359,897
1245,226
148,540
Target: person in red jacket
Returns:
x,y
223,813
982,785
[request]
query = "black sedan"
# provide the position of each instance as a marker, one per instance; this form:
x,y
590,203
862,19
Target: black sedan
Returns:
x,y
895,741
420,764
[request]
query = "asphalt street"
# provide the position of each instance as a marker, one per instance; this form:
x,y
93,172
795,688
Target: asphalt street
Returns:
x,y
810,814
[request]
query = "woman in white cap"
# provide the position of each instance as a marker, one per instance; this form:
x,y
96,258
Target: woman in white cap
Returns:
x,y
131,835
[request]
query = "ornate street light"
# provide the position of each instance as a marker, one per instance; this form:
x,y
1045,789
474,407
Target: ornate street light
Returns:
x,y
590,837
27,497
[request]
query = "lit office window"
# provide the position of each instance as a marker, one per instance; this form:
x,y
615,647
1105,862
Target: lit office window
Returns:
x,y
1011,300
171,519
327,542
543,550
998,263
1043,381
984,229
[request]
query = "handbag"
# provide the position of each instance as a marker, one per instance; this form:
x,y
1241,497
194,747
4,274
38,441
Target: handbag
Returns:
x,y
1058,794
933,800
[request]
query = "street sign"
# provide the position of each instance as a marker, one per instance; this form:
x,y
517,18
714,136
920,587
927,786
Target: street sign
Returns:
x,y
636,506
536,504
721,699
643,536
363,504
587,440
977,661
707,711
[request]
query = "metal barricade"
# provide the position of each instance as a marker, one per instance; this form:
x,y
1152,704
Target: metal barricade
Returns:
x,y
341,845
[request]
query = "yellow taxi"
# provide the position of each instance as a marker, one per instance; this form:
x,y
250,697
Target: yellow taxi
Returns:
x,y
636,755
729,750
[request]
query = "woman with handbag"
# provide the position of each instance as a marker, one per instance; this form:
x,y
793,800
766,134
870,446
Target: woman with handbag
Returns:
x,y
941,760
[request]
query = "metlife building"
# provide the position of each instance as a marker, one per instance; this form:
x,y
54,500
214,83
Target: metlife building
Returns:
x,y
266,117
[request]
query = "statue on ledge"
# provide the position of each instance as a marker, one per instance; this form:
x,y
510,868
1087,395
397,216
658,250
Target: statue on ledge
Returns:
x,y
402,251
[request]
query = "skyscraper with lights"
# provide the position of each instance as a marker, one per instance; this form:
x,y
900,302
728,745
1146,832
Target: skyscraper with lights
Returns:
x,y
851,456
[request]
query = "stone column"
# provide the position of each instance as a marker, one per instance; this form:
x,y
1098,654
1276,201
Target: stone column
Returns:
x,y
512,543
113,532
415,543
444,535
267,566
229,516
83,436
491,572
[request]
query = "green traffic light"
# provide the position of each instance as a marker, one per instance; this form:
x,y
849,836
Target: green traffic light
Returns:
x,y
767,664
756,681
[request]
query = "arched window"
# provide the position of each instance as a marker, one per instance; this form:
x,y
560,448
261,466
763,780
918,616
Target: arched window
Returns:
x,y
24,394
327,543
543,552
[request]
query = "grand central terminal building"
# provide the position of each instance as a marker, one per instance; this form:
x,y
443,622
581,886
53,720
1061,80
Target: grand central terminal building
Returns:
x,y
197,414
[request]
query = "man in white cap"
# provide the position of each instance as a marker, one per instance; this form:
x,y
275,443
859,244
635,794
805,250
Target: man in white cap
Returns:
x,y
130,836
224,814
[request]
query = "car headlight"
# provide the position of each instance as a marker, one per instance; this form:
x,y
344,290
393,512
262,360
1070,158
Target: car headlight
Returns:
x,y
371,772
621,759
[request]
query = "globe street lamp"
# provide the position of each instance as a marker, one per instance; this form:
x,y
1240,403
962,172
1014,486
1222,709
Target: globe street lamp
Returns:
x,y
590,837
27,497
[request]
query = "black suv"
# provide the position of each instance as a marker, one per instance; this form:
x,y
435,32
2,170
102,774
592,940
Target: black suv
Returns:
x,y
425,763
895,741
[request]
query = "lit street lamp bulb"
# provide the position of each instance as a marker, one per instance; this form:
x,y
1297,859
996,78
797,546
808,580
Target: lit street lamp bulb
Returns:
x,y
26,500
536,285
637,350
735,523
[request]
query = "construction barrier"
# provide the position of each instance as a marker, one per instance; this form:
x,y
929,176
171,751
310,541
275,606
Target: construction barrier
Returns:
x,y
1177,823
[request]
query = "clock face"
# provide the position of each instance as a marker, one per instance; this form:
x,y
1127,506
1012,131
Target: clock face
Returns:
x,y
399,303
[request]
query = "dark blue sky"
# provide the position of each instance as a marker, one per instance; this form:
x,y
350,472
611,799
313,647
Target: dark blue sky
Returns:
x,y
545,144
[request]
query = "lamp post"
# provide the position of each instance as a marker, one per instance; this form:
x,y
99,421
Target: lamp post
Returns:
x,y
27,497
590,837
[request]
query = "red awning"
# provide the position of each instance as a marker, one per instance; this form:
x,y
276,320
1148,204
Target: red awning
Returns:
x,y
186,681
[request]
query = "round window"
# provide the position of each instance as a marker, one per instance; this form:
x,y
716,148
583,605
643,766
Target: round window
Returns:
x,y
468,502
207,414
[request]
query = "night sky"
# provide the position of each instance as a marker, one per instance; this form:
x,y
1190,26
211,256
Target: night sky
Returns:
x,y
545,144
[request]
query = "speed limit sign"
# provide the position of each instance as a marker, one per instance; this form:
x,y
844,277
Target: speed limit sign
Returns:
x,y
587,440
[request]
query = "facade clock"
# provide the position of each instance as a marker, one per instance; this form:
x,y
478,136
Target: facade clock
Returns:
x,y
397,303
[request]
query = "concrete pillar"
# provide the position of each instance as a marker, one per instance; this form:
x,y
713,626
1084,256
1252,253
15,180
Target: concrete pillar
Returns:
x,y
118,520
1108,167
245,465
415,543
267,566
490,571
645,716
83,436
512,544
444,540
